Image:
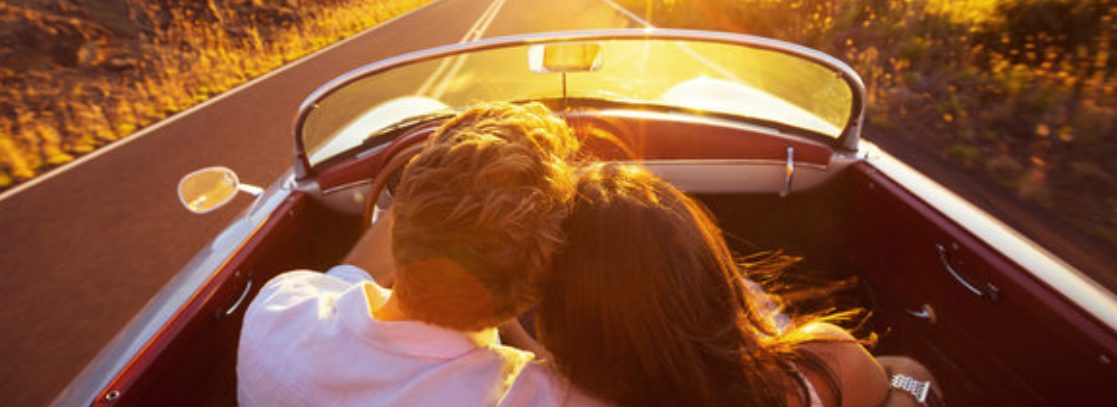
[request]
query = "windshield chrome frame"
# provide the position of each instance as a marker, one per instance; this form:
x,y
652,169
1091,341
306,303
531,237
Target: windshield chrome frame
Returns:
x,y
847,140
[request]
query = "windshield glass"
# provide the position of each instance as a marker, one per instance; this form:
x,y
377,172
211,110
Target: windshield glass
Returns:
x,y
731,79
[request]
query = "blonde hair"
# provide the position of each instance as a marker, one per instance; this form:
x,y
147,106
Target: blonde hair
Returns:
x,y
478,215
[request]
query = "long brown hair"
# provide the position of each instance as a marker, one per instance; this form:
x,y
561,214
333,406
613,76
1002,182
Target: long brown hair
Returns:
x,y
645,305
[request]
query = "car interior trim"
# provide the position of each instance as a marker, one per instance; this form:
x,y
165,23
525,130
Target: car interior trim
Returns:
x,y
1044,266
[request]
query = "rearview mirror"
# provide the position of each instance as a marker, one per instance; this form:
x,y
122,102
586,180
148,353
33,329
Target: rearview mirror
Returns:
x,y
207,189
568,57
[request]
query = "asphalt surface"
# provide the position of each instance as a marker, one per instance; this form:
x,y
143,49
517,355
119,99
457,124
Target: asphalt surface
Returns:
x,y
82,250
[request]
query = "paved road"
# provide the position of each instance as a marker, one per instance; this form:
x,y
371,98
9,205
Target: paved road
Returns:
x,y
84,249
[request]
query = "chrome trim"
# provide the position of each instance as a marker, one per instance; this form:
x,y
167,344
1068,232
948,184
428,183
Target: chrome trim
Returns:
x,y
372,151
847,140
925,312
112,395
722,161
1073,284
240,300
737,176
346,186
789,170
348,198
957,277
85,388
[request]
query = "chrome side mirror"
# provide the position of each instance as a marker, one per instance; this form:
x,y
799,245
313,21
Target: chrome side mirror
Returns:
x,y
210,188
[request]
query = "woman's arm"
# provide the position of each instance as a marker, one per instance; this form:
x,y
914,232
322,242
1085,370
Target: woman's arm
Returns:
x,y
864,379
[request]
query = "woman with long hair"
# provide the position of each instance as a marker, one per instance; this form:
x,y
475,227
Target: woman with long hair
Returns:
x,y
646,306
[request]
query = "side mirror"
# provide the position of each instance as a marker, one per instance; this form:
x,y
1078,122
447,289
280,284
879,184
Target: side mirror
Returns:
x,y
565,57
207,189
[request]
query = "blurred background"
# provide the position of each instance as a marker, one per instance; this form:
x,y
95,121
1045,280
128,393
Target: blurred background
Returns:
x,y
1011,103
1020,94
1017,97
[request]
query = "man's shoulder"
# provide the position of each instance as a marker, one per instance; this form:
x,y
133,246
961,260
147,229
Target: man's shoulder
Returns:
x,y
298,286
308,282
292,318
302,291
292,302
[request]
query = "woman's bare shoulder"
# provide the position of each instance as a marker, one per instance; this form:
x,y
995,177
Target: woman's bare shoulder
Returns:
x,y
862,380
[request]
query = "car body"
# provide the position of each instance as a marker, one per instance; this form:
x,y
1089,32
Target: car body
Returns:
x,y
765,133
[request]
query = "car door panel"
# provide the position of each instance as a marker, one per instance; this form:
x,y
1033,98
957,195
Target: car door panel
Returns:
x,y
1019,342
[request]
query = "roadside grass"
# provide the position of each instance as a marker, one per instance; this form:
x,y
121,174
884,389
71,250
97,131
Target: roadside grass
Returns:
x,y
1020,92
52,113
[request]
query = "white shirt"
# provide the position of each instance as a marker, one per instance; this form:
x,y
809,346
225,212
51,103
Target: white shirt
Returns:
x,y
310,339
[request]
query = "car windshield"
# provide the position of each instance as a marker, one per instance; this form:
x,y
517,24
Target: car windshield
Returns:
x,y
749,82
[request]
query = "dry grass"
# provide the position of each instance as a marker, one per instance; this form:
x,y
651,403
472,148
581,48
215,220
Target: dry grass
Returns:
x,y
50,114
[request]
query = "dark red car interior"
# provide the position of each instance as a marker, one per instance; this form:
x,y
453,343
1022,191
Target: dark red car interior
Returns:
x,y
1020,343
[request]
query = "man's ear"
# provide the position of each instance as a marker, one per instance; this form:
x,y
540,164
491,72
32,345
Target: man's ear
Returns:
x,y
442,292
373,251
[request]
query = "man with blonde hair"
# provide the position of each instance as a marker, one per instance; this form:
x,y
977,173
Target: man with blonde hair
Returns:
x,y
474,223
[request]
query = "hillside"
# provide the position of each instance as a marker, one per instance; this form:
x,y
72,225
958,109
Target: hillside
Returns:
x,y
76,75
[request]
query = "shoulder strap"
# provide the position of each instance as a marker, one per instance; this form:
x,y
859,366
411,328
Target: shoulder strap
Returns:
x,y
814,363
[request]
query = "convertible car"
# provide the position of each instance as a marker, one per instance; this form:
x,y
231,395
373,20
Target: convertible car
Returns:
x,y
765,133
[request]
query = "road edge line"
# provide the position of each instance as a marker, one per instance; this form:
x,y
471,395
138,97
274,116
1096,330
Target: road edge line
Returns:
x,y
477,34
628,13
429,82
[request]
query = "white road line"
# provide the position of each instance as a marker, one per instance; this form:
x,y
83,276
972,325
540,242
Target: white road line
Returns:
x,y
460,60
454,64
712,65
147,130
709,64
629,14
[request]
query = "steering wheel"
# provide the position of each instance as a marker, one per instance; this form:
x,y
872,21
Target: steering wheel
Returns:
x,y
398,155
